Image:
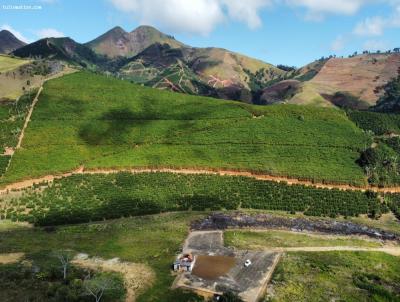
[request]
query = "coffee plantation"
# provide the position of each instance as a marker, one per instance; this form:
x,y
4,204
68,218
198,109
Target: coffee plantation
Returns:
x,y
84,198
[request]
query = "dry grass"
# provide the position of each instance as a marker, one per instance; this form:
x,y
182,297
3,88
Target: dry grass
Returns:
x,y
10,258
137,276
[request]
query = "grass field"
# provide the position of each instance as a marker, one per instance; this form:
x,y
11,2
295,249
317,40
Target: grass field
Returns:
x,y
336,276
99,122
270,239
8,63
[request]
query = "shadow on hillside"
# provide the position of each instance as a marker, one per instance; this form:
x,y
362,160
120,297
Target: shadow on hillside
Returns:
x,y
114,126
110,128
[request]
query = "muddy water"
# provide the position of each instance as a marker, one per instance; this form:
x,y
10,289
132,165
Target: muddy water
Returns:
x,y
212,267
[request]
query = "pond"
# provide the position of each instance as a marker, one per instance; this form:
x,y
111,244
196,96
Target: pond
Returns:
x,y
212,267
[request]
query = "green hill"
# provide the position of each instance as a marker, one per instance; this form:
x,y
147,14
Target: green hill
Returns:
x,y
64,49
100,122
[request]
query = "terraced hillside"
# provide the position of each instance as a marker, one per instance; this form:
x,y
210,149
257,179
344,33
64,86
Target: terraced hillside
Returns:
x,y
100,122
203,71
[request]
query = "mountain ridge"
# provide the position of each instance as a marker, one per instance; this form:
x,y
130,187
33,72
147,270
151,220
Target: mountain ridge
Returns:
x,y
118,42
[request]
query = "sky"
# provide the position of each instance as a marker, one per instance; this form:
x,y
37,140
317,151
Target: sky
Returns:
x,y
290,32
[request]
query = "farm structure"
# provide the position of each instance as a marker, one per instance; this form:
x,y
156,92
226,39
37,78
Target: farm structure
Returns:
x,y
217,269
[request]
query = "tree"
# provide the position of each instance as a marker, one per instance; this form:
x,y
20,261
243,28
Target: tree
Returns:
x,y
65,259
97,286
396,50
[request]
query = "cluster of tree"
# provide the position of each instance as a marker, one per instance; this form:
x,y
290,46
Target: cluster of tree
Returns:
x,y
286,67
381,162
56,279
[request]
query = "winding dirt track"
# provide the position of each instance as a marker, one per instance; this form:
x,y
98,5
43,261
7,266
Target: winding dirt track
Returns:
x,y
265,177
28,117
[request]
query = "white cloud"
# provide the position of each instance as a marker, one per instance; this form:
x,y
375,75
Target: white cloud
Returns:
x,y
202,16
338,44
246,11
374,45
16,33
194,16
49,33
375,26
347,7
371,27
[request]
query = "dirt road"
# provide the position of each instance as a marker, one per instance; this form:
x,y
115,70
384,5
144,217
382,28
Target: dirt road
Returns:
x,y
265,177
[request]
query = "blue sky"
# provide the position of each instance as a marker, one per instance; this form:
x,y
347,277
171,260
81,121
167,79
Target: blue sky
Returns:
x,y
292,32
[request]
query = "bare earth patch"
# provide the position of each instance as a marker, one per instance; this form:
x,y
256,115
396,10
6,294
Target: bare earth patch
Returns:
x,y
137,276
10,258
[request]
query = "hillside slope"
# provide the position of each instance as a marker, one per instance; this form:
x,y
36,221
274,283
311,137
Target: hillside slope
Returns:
x,y
8,42
100,122
354,82
361,76
117,42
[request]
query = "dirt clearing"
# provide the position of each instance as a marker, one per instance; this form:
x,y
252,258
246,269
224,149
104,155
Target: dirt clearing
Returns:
x,y
10,258
137,276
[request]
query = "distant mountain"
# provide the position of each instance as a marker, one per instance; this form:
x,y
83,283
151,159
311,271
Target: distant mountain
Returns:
x,y
150,57
64,49
117,42
8,42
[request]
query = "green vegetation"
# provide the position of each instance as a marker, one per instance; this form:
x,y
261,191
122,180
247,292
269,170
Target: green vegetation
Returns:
x,y
333,276
379,123
12,118
394,204
381,162
4,160
153,240
39,278
270,239
100,122
390,101
8,63
83,198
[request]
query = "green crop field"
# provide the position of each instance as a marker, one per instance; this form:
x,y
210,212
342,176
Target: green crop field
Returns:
x,y
8,63
99,122
379,123
84,198
336,276
260,240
